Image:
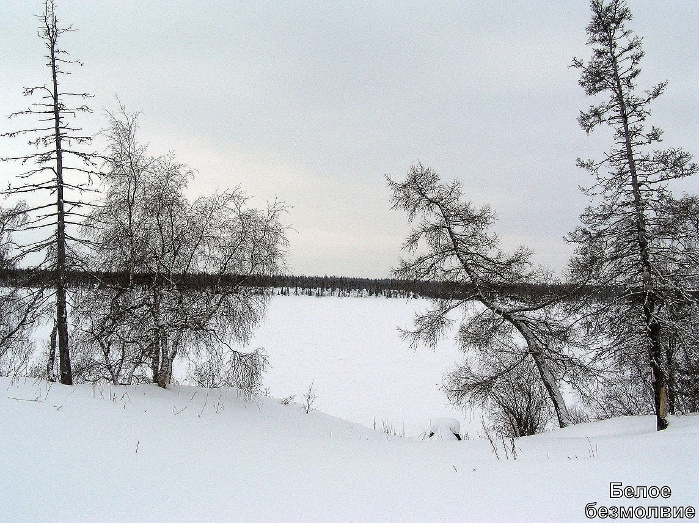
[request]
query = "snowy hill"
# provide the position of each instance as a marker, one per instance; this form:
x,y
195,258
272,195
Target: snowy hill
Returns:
x,y
141,453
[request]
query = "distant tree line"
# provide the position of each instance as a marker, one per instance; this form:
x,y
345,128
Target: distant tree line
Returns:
x,y
291,285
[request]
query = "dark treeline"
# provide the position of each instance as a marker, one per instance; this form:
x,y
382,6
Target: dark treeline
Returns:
x,y
300,285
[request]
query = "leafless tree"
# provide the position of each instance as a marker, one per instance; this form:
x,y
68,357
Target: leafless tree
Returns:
x,y
57,168
20,308
109,342
146,227
220,366
457,246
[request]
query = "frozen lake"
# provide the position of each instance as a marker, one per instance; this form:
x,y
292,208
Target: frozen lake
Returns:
x,y
351,350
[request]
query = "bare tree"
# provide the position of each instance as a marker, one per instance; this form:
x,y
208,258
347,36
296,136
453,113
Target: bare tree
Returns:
x,y
49,170
498,323
221,366
622,242
146,228
109,342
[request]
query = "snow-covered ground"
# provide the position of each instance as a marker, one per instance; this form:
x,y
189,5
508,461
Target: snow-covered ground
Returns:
x,y
140,453
350,350
106,453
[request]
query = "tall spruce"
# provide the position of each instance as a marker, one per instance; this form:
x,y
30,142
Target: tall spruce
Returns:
x,y
620,243
55,176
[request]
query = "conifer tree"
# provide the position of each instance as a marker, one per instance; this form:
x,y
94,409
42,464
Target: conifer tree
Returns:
x,y
622,242
451,243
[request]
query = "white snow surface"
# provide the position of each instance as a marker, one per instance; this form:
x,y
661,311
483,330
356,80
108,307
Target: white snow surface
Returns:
x,y
140,453
445,428
350,349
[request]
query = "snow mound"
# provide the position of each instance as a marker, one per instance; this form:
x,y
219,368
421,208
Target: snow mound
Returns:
x,y
445,428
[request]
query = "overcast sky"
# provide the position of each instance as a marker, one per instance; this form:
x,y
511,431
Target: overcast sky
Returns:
x,y
313,102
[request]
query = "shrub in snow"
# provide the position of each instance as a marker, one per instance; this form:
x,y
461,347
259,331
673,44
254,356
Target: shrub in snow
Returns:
x,y
287,400
388,428
516,405
578,414
309,399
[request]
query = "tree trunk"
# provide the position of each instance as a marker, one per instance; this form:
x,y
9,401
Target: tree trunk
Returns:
x,y
547,377
165,371
51,363
66,375
167,356
651,322
657,372
671,380
157,336
553,390
63,351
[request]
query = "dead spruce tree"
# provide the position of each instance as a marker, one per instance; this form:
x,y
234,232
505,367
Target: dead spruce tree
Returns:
x,y
58,169
503,331
625,241
145,228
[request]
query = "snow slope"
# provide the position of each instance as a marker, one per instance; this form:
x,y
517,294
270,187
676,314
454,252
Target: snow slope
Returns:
x,y
141,453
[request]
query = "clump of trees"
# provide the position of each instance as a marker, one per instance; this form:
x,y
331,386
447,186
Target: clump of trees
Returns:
x,y
163,277
625,337
138,224
145,226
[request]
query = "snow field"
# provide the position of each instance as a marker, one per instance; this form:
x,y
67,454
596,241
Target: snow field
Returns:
x,y
141,453
361,370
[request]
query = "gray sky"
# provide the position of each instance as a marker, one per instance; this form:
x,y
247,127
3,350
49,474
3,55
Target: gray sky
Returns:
x,y
313,102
